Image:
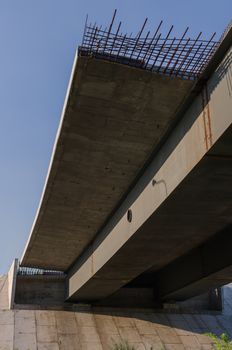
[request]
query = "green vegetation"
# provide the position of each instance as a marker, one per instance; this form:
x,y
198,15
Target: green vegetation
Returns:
x,y
123,346
221,343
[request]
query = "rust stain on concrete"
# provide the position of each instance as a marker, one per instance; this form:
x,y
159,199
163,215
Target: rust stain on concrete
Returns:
x,y
206,117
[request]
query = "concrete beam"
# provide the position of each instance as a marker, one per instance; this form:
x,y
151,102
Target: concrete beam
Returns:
x,y
182,199
207,266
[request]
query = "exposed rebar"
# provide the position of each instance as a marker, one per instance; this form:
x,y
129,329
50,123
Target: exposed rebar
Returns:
x,y
183,57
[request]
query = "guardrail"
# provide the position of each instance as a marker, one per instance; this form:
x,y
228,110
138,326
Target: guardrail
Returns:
x,y
29,271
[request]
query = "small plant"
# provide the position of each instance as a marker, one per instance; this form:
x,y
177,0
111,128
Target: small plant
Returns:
x,y
123,346
221,343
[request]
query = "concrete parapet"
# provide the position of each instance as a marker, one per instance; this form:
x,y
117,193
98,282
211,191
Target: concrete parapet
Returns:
x,y
12,276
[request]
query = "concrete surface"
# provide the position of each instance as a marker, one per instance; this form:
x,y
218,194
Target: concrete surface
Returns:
x,y
188,203
4,296
40,290
113,118
99,329
12,276
50,292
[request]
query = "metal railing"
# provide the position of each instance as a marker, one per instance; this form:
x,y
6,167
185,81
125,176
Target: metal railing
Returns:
x,y
183,57
29,271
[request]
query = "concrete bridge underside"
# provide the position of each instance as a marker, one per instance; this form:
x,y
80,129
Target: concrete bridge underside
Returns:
x,y
152,149
114,117
180,206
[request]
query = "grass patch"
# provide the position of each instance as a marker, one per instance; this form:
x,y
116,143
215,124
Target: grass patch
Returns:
x,y
123,346
221,343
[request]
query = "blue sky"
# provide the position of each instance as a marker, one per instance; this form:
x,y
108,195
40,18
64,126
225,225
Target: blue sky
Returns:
x,y
38,39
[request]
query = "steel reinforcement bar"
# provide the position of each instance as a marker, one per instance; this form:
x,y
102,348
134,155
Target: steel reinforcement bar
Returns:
x,y
183,57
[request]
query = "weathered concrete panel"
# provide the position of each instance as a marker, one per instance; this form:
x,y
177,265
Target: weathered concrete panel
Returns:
x,y
40,290
101,328
25,330
4,297
6,330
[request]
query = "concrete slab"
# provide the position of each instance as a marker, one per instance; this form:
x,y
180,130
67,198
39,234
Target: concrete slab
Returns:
x,y
66,323
130,333
123,321
88,335
101,329
91,346
6,317
176,347
114,117
109,340
168,335
106,324
6,337
45,318
69,341
25,322
47,334
4,300
152,341
85,319
48,346
190,341
25,341
144,327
